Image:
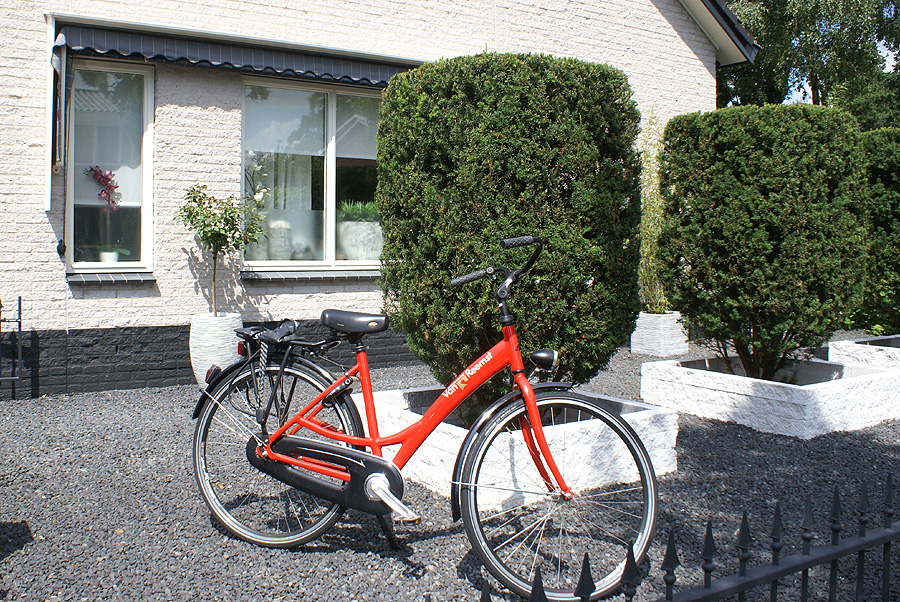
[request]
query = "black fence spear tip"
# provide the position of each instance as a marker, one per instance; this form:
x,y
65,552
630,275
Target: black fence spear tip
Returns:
x,y
808,520
485,591
631,577
744,533
586,585
743,543
537,588
807,526
777,524
709,544
863,509
671,561
836,517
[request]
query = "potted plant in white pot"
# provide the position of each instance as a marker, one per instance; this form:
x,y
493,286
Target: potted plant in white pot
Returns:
x,y
359,230
658,330
764,244
223,226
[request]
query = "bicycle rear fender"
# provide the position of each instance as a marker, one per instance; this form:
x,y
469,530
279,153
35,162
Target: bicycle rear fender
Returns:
x,y
226,374
473,431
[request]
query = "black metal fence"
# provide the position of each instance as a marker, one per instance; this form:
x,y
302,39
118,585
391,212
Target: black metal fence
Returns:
x,y
874,532
866,546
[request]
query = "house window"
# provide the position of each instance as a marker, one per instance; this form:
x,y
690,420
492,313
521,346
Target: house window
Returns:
x,y
309,160
108,200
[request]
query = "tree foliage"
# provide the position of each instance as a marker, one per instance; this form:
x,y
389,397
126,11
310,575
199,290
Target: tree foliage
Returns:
x,y
813,45
475,149
222,225
881,309
765,233
876,105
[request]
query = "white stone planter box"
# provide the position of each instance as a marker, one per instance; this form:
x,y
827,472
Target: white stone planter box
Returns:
x,y
659,334
432,465
875,352
822,398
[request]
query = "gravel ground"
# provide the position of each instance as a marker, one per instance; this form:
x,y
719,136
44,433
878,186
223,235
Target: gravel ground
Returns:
x,y
98,502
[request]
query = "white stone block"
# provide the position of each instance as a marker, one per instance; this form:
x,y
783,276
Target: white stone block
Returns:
x,y
659,334
432,465
875,352
816,397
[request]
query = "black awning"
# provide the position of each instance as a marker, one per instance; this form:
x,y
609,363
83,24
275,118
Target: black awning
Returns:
x,y
271,60
80,40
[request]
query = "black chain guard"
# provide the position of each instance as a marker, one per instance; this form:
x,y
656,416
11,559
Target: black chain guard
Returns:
x,y
359,464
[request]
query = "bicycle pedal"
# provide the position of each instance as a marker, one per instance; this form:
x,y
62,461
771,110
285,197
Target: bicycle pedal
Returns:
x,y
413,520
378,488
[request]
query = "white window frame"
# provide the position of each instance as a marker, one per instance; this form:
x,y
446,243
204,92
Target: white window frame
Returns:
x,y
328,262
147,213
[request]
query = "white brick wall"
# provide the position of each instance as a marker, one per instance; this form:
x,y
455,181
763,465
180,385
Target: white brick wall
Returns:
x,y
669,61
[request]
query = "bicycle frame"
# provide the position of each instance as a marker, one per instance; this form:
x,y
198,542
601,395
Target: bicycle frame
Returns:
x,y
504,353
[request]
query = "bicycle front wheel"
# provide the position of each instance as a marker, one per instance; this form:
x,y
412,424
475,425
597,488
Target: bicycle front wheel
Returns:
x,y
515,524
249,503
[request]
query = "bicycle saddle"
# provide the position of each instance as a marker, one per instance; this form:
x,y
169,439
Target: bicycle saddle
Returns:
x,y
352,322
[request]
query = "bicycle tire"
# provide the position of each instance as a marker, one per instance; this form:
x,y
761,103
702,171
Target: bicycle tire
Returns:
x,y
248,503
514,524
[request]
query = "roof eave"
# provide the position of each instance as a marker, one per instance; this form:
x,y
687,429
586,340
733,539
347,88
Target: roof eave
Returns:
x,y
733,43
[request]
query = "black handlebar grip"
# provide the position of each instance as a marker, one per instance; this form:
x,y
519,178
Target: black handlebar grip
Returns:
x,y
468,278
519,241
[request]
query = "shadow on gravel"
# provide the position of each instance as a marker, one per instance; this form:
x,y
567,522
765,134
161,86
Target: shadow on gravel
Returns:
x,y
13,537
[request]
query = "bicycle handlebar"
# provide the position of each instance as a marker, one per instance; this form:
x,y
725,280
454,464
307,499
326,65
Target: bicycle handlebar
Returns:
x,y
519,241
506,243
461,280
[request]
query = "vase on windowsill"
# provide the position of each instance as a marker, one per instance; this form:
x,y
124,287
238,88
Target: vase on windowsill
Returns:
x,y
358,228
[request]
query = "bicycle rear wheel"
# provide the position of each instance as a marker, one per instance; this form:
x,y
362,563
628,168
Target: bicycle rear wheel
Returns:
x,y
515,524
247,502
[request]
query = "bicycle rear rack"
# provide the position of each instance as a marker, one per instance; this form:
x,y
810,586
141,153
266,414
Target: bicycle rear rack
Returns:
x,y
15,379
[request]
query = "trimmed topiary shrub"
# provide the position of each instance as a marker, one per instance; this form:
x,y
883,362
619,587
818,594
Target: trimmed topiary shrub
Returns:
x,y
764,237
479,148
881,307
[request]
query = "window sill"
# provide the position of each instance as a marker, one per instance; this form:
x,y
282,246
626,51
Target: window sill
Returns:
x,y
111,278
276,276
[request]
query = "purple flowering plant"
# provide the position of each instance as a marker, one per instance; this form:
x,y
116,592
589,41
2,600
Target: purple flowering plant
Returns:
x,y
108,185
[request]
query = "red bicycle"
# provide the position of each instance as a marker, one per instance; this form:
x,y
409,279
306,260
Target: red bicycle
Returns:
x,y
544,476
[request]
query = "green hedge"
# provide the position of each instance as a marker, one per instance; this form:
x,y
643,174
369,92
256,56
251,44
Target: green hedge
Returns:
x,y
882,301
475,149
765,231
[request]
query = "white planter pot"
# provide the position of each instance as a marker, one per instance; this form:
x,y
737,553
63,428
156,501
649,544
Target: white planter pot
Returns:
x,y
824,396
432,465
876,352
109,256
213,342
359,240
659,334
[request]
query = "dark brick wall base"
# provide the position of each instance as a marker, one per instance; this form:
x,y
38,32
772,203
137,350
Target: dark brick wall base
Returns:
x,y
56,361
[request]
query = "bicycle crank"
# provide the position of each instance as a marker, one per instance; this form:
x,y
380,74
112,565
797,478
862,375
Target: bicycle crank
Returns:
x,y
375,485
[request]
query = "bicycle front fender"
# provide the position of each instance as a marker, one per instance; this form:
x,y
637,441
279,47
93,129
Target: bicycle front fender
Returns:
x,y
479,424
